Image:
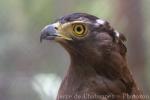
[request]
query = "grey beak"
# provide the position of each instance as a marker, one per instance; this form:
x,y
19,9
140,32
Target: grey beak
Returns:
x,y
48,33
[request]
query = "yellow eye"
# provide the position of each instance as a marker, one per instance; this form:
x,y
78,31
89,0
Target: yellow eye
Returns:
x,y
79,30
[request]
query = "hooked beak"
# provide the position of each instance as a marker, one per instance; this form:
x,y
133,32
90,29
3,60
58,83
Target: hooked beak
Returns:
x,y
49,32
53,32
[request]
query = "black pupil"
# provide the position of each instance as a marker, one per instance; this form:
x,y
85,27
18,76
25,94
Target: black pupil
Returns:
x,y
79,29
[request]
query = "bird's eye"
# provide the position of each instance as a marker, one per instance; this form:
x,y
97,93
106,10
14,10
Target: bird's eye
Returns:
x,y
79,30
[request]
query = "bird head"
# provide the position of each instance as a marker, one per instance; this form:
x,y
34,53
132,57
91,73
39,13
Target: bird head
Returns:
x,y
84,35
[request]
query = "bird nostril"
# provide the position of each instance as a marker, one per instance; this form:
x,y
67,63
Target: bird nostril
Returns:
x,y
56,28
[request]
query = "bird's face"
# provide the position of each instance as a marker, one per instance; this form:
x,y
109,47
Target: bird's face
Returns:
x,y
68,31
80,32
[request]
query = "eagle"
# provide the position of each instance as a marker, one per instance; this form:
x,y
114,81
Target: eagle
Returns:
x,y
98,69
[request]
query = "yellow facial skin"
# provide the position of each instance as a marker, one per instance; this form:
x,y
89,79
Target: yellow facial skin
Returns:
x,y
77,29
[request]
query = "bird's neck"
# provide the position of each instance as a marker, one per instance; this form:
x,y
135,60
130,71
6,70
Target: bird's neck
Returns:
x,y
77,74
81,70
81,66
108,66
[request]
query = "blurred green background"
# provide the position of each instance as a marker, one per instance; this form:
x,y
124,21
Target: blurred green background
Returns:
x,y
30,70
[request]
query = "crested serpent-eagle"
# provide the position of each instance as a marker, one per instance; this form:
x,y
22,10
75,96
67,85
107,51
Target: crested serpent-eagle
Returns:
x,y
98,69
